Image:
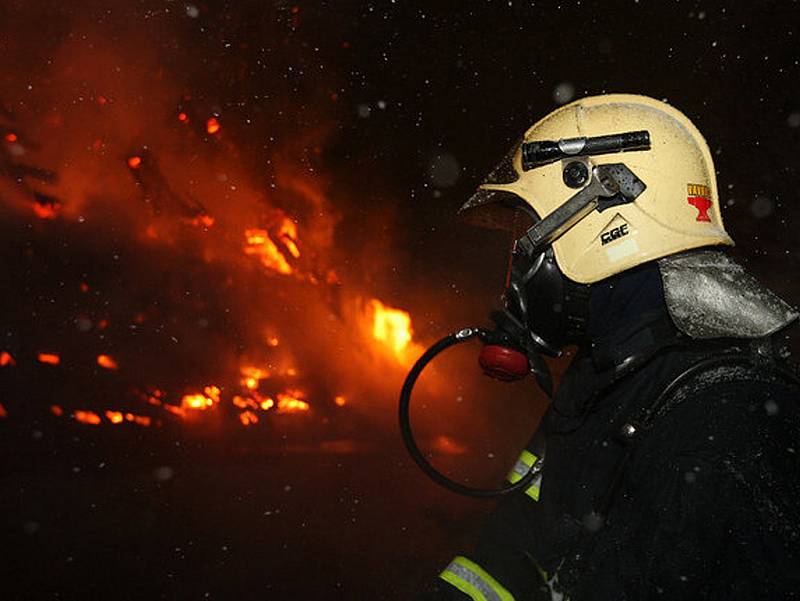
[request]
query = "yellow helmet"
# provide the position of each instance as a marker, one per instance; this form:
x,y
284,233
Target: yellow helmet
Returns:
x,y
676,209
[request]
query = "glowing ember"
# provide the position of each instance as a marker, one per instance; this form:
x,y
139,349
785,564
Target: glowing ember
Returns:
x,y
49,358
107,362
7,360
201,401
247,418
56,410
47,210
183,117
11,137
391,326
259,244
115,417
134,162
212,125
340,401
288,234
87,417
290,402
203,221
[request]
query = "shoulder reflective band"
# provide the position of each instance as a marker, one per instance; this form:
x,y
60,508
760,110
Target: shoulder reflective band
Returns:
x,y
522,467
474,581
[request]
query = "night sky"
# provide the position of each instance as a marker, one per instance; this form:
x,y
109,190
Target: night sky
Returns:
x,y
396,111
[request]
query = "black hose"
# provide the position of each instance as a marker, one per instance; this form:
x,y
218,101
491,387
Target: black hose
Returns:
x,y
408,436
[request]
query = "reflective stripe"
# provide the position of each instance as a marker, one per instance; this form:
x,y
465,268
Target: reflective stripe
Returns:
x,y
521,468
474,581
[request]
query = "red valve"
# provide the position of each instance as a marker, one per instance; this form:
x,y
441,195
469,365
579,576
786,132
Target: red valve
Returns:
x,y
503,363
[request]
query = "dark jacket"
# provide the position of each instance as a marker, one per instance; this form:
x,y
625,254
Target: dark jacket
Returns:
x,y
702,504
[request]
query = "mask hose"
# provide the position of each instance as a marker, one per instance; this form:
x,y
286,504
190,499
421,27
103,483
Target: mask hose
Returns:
x,y
408,436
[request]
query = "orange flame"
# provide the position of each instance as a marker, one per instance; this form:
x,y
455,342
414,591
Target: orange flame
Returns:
x,y
259,244
340,401
290,402
134,162
115,417
212,125
107,362
391,326
6,359
49,358
248,417
201,402
87,417
46,210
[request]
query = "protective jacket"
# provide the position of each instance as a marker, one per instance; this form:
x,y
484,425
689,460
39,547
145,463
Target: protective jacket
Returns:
x,y
692,494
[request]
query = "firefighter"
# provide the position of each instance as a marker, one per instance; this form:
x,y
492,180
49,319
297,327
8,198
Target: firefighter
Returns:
x,y
668,462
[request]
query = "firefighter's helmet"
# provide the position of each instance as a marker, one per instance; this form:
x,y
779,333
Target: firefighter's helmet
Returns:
x,y
605,184
678,209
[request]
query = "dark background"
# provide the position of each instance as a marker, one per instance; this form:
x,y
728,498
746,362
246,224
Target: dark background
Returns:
x,y
403,107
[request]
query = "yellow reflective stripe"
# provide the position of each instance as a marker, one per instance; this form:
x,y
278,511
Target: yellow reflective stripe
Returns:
x,y
522,467
472,580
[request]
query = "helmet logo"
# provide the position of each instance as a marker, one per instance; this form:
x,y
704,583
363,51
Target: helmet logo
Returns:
x,y
700,198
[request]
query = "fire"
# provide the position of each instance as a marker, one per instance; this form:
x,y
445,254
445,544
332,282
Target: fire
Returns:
x,y
11,137
212,125
56,410
87,417
391,326
7,360
259,244
46,210
340,401
49,358
291,402
206,400
115,417
183,117
288,234
248,417
203,221
134,162
107,362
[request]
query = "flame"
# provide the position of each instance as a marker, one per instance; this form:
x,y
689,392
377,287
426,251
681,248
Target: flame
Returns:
x,y
258,243
340,401
11,137
49,358
134,162
288,234
115,417
6,359
248,417
183,117
107,362
87,417
212,125
203,221
47,210
206,400
391,326
291,402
